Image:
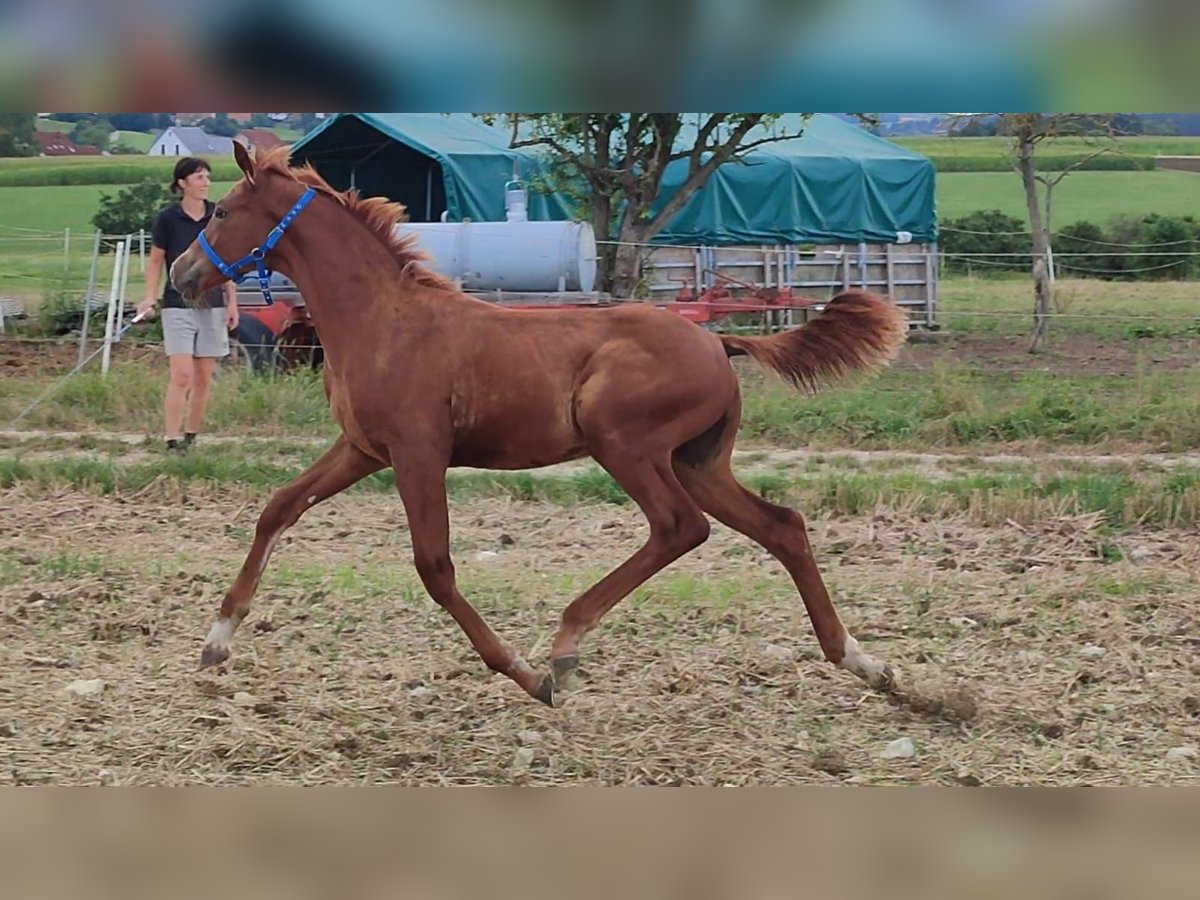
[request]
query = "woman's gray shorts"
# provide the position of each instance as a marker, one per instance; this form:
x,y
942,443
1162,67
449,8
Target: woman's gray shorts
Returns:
x,y
195,332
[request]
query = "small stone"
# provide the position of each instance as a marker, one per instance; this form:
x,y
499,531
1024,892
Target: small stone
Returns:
x,y
779,653
7,731
1187,751
107,778
86,687
27,560
506,540
529,738
831,762
242,698
421,694
901,748
1091,651
484,555
1140,554
963,621
523,758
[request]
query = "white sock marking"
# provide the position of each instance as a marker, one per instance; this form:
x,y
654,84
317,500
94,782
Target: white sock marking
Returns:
x,y
865,666
220,633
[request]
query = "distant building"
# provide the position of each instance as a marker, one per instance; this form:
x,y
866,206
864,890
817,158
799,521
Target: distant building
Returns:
x,y
53,144
190,141
259,139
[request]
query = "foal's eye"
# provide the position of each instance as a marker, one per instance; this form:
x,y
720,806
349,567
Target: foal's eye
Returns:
x,y
219,213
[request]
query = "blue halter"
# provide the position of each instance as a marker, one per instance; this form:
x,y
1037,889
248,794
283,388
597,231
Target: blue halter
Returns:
x,y
256,256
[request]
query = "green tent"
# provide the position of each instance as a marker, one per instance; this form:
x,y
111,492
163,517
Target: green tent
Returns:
x,y
430,162
835,184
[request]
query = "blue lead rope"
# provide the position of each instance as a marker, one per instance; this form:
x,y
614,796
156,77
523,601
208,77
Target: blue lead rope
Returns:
x,y
257,256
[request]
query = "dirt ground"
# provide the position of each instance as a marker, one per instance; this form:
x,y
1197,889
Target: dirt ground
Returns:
x,y
1070,353
1025,656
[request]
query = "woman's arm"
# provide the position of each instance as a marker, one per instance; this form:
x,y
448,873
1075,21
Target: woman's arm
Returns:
x,y
154,272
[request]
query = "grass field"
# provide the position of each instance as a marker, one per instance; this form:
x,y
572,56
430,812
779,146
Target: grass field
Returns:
x,y
33,263
951,154
51,209
1090,196
139,140
53,126
97,170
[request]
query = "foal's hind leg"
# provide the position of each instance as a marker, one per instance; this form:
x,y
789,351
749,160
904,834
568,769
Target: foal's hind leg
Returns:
x,y
782,532
341,466
676,526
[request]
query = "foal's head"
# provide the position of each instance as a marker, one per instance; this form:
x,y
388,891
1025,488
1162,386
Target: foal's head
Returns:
x,y
269,188
240,223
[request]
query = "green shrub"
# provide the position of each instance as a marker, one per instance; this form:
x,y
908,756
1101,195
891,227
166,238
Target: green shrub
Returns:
x,y
985,241
132,209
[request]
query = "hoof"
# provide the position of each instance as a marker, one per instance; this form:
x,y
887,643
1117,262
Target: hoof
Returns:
x,y
563,666
545,690
885,681
213,656
876,674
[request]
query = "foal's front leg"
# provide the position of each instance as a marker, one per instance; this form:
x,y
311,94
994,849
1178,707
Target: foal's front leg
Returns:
x,y
423,492
341,466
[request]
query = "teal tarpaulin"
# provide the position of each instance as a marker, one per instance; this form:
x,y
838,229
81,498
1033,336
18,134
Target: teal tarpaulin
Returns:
x,y
836,183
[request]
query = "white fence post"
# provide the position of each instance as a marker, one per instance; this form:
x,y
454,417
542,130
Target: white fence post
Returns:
x,y
112,308
87,298
124,282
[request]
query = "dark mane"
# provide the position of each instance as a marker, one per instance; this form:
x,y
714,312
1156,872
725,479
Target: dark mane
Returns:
x,y
377,213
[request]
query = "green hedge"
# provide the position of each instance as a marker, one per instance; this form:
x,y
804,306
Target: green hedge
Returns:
x,y
1047,162
36,172
1128,248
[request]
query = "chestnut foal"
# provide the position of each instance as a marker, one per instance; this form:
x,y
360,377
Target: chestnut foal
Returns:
x,y
421,377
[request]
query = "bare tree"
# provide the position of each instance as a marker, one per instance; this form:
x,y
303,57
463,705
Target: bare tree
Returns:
x,y
613,164
1028,132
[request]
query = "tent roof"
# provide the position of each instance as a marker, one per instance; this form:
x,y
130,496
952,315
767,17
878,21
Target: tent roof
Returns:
x,y
835,183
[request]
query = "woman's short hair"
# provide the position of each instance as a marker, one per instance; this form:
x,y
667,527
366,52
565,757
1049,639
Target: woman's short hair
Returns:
x,y
187,167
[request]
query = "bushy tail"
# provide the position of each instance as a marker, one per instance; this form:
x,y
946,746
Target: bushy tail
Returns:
x,y
856,330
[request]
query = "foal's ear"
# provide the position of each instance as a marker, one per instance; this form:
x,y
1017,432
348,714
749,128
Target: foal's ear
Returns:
x,y
245,163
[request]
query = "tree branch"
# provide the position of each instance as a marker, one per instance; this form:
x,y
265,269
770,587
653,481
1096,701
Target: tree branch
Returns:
x,y
1082,162
698,175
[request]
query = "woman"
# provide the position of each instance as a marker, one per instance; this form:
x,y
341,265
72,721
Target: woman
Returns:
x,y
194,339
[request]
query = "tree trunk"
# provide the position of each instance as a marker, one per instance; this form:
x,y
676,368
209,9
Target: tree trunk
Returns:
x,y
626,269
1041,244
606,250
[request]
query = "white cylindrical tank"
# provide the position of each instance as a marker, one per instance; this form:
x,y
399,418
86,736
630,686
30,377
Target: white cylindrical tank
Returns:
x,y
511,256
516,201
